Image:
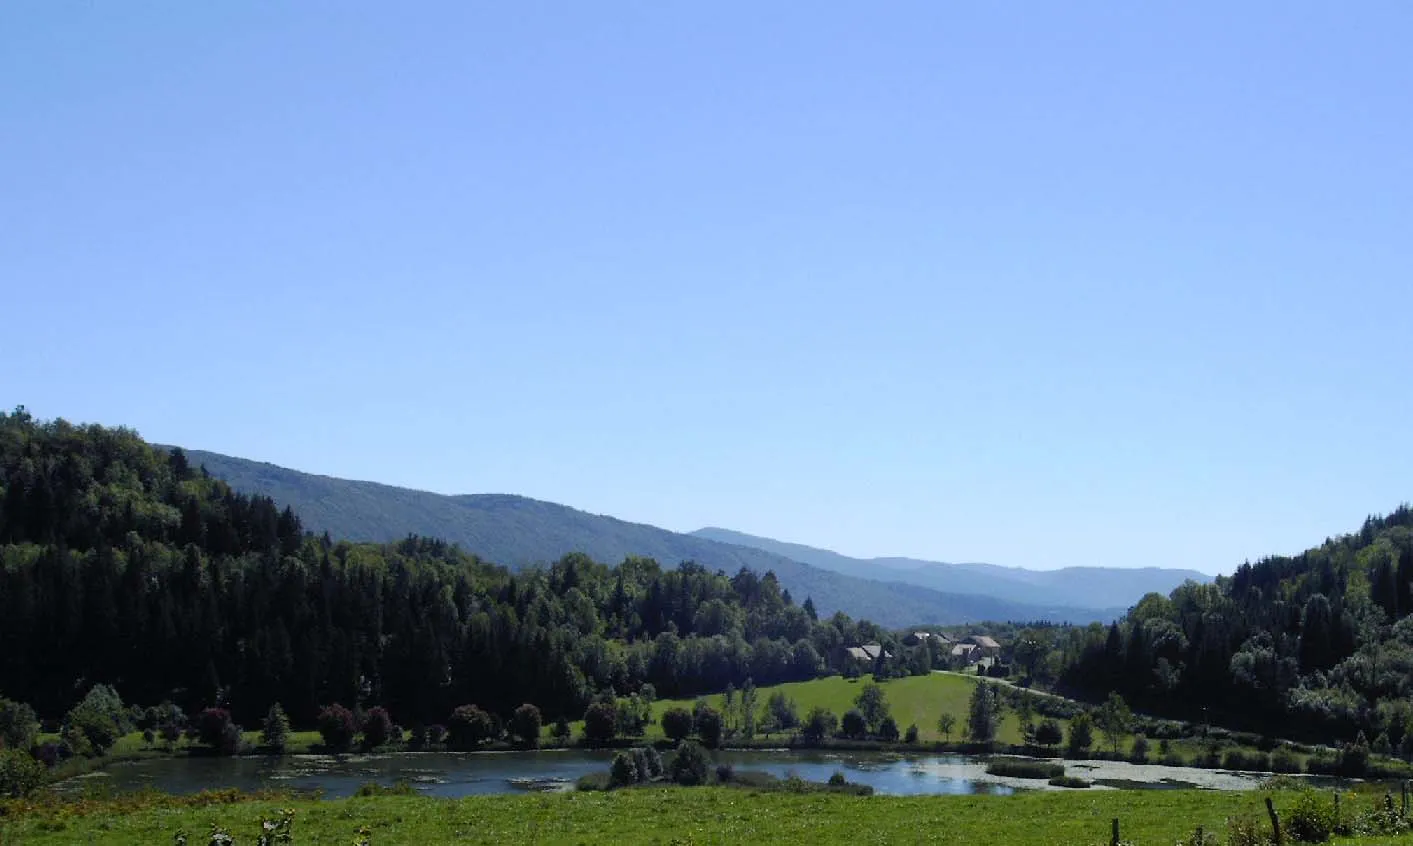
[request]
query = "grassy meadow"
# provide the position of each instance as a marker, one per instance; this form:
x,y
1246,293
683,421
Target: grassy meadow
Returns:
x,y
664,815
914,700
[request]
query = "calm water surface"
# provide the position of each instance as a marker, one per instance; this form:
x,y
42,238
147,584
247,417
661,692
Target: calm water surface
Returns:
x,y
466,774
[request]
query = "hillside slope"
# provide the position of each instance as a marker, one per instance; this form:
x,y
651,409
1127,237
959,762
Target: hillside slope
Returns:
x,y
517,532
1076,586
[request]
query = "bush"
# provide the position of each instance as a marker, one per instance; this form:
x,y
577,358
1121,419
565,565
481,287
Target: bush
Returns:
x,y
336,727
819,724
888,730
1081,735
854,724
600,722
1311,819
623,771
1284,761
676,724
525,724
911,735
377,727
211,726
1173,758
20,773
469,727
1023,768
274,734
1048,733
436,734
1068,781
561,730
232,741
19,727
709,726
1139,753
725,773
836,779
1246,830
689,765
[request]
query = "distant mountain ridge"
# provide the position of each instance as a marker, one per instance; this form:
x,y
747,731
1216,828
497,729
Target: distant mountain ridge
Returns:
x,y
1079,586
517,532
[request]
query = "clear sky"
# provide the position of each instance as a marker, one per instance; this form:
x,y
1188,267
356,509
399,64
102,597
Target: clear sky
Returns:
x,y
1032,284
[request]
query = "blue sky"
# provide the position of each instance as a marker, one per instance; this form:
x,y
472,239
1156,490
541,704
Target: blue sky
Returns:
x,y
1033,284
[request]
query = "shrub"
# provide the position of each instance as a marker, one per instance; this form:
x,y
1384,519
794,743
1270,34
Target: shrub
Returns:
x,y
1081,735
525,724
836,779
20,773
275,731
1283,760
1139,753
336,727
18,725
1048,733
1353,759
1022,768
623,771
469,727
650,763
819,724
436,734
676,724
561,730
211,726
911,735
377,727
888,729
1246,830
689,764
854,724
600,722
1311,819
709,727
724,773
1173,758
170,733
1068,781
232,741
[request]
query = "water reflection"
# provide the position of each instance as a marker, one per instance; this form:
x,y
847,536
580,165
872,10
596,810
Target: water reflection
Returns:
x,y
467,774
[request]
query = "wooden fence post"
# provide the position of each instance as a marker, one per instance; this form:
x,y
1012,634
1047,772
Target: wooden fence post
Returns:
x,y
1114,840
1275,820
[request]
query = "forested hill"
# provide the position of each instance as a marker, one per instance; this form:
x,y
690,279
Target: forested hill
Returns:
x,y
127,565
1073,586
517,531
1319,644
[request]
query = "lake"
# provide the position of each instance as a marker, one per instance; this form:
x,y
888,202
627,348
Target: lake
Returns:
x,y
450,774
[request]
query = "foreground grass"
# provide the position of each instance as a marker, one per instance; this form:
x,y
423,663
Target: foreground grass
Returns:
x,y
661,815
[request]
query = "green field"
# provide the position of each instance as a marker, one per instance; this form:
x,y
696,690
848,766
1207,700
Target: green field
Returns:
x,y
915,700
667,815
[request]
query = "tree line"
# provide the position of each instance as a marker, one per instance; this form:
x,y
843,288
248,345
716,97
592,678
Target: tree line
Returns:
x,y
1317,645
122,564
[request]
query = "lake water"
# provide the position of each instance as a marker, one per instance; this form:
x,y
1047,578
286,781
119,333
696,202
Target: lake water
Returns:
x,y
466,774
